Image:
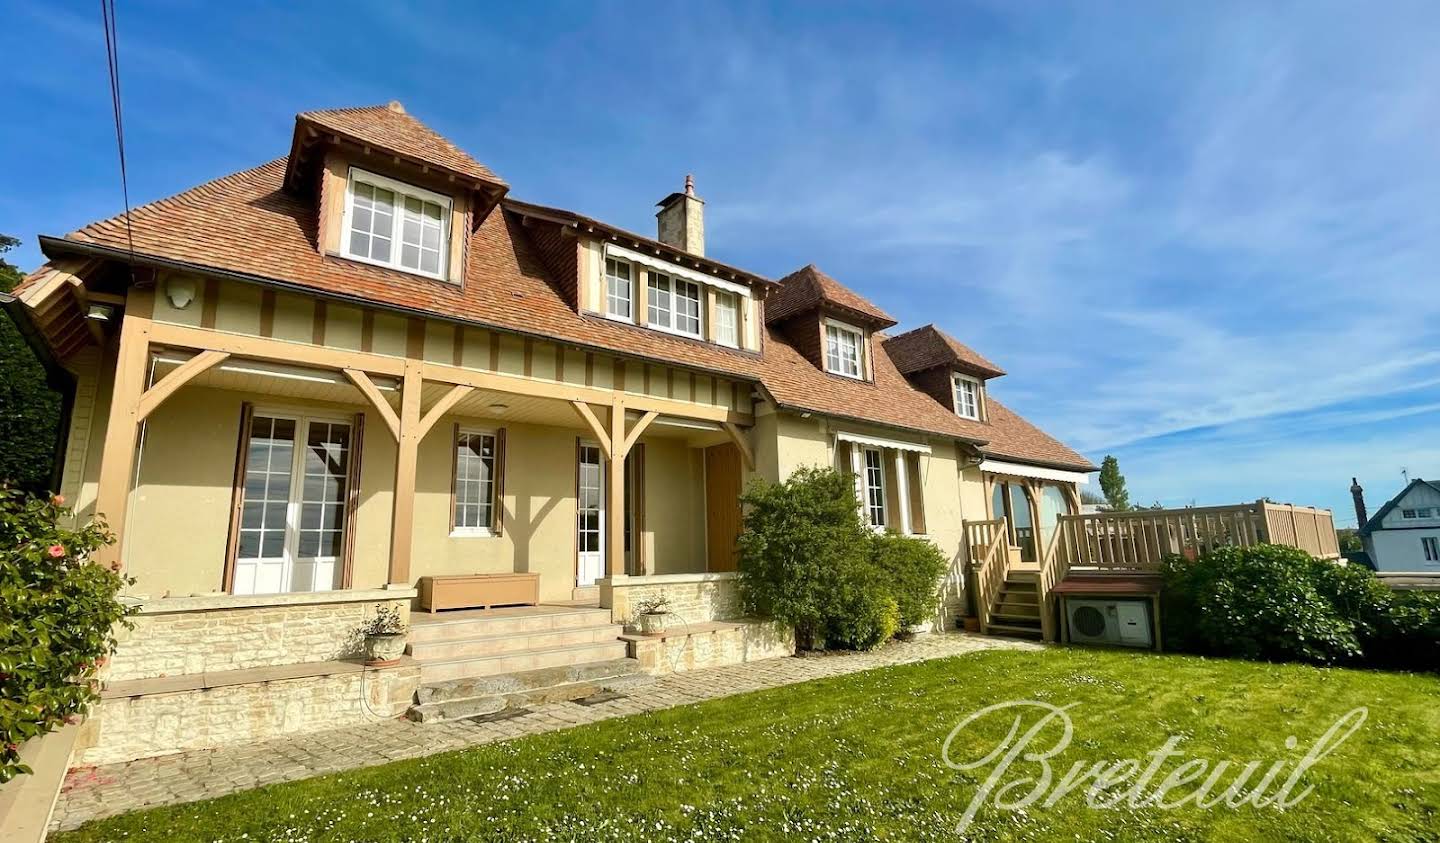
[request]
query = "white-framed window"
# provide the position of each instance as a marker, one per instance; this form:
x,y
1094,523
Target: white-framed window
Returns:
x,y
1431,545
874,480
474,482
727,319
1415,513
967,397
673,304
396,225
844,349
619,290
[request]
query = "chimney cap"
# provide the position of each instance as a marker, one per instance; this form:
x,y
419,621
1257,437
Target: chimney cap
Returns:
x,y
689,193
395,106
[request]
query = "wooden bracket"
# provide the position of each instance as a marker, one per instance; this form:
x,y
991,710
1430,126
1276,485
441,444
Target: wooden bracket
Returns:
x,y
639,428
595,426
443,406
153,397
367,387
738,437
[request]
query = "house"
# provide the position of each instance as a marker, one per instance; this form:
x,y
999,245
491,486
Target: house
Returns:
x,y
1404,535
363,375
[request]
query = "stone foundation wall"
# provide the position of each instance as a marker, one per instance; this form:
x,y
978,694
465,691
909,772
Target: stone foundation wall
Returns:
x,y
744,642
175,643
694,598
126,728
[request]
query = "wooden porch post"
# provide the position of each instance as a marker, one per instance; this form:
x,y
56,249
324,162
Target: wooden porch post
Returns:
x,y
407,449
615,493
117,460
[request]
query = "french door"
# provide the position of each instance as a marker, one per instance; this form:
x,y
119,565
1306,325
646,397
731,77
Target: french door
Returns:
x,y
292,517
590,516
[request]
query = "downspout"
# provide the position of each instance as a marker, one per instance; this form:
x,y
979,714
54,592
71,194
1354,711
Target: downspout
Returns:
x,y
57,377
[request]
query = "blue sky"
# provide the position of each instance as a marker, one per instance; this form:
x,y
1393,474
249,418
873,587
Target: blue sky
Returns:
x,y
1202,237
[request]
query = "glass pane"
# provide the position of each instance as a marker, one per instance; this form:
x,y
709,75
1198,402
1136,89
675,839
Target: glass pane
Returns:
x,y
410,256
309,517
430,237
275,515
252,515
410,231
249,544
309,544
412,205
380,250
429,262
384,200
361,219
272,546
330,543
433,211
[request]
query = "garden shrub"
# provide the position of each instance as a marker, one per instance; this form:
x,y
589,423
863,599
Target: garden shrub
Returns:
x,y
807,560
1260,602
57,618
911,569
802,550
1408,637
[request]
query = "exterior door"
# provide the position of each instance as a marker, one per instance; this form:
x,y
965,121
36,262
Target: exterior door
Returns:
x,y
292,517
722,505
590,516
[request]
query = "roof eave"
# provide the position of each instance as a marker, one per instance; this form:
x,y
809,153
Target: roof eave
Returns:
x,y
800,408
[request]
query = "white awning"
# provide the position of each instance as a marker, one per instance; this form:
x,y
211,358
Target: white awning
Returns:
x,y
613,251
877,442
1035,471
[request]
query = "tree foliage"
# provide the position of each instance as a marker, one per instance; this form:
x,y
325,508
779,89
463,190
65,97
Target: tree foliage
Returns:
x,y
57,620
1112,483
29,408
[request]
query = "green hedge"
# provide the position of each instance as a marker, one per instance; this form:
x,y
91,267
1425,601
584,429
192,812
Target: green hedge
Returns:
x,y
1281,604
57,620
807,560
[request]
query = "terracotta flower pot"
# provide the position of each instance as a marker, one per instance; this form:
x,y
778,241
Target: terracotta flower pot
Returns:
x,y
382,650
972,624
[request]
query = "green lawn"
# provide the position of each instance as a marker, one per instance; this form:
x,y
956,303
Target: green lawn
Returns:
x,y
859,757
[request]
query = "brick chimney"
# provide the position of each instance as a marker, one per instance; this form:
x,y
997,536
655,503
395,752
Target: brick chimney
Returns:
x,y
1358,494
681,220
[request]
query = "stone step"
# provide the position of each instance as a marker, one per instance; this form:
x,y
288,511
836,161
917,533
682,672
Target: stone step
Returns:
x,y
463,668
493,645
464,625
456,699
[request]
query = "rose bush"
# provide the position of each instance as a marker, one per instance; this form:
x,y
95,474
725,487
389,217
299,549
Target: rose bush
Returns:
x,y
58,614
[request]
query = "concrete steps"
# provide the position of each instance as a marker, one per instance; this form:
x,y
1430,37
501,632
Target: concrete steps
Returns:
x,y
481,662
474,696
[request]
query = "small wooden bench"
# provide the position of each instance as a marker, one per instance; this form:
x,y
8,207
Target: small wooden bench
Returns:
x,y
478,591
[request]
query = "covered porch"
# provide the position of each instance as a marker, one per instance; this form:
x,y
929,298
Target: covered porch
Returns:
x,y
262,466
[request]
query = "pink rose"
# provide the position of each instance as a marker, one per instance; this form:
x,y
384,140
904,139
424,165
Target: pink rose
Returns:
x,y
57,551
58,500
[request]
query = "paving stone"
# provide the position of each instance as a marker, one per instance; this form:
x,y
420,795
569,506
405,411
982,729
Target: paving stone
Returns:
x,y
107,790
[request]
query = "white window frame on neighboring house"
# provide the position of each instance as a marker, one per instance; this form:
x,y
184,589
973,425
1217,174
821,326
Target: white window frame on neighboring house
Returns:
x,y
664,294
1431,547
484,502
959,385
395,235
835,330
727,319
613,297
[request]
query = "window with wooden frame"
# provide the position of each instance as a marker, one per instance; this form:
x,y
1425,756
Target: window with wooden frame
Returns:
x,y
967,397
673,305
396,225
844,350
477,482
619,290
727,319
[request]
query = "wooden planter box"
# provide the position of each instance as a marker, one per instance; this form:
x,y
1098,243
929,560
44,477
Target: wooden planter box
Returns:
x,y
478,591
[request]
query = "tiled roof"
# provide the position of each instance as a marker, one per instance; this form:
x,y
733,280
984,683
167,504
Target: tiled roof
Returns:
x,y
248,224
391,129
923,348
808,288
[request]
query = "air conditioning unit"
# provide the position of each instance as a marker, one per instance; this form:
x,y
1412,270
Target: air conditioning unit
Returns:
x,y
1119,622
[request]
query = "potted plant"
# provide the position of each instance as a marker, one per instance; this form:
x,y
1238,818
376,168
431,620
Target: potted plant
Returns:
x,y
971,623
653,615
384,637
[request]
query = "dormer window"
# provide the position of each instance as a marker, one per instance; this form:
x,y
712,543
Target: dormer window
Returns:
x,y
967,397
844,349
396,225
619,292
673,304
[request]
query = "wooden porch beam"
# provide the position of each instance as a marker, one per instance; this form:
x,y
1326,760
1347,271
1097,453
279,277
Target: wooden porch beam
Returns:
x,y
153,397
443,406
117,459
634,434
369,390
596,427
278,351
738,437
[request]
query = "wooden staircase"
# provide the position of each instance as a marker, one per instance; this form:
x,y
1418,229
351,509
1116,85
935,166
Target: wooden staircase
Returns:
x,y
1015,610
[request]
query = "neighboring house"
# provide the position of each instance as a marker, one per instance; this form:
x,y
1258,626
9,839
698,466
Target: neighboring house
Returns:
x,y
1404,535
316,383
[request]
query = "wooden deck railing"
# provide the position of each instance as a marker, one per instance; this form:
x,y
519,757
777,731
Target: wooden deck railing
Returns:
x,y
1140,539
990,560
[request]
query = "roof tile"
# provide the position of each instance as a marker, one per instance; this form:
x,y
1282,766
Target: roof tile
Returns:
x,y
928,346
807,288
